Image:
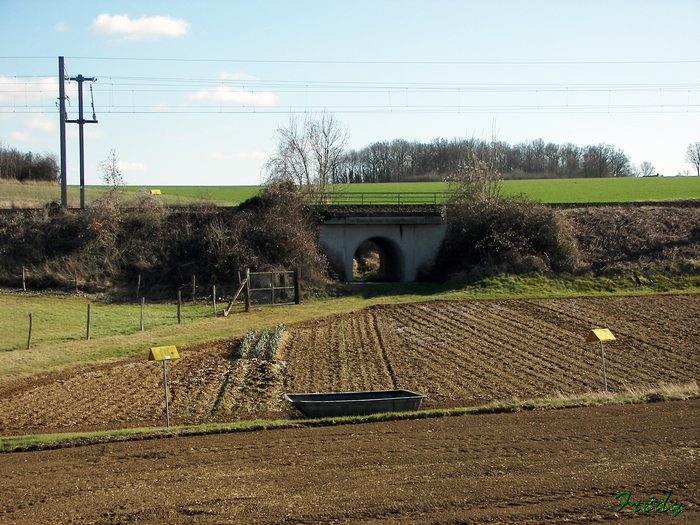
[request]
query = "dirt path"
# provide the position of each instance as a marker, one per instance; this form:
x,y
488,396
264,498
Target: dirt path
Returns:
x,y
527,467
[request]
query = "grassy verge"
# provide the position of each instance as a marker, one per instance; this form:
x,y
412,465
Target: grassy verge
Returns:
x,y
50,441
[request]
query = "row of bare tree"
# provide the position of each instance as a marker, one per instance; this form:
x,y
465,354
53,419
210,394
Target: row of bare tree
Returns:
x,y
28,166
400,160
311,152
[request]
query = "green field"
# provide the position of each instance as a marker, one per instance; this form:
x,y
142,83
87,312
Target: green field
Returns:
x,y
557,190
14,195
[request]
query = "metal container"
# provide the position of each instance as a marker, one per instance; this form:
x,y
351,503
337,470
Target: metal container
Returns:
x,y
355,403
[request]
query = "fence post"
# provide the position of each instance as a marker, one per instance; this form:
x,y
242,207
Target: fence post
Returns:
x,y
213,297
138,287
179,307
194,288
24,279
297,294
247,290
87,335
29,339
143,307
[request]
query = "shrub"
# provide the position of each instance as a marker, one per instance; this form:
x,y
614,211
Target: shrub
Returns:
x,y
504,235
112,246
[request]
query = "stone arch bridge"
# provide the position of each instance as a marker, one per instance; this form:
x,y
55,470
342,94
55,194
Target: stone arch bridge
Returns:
x,y
407,238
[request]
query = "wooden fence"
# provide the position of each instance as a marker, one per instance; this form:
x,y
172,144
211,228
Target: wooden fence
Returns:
x,y
272,288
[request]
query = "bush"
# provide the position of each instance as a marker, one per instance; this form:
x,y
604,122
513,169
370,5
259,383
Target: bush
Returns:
x,y
504,235
112,245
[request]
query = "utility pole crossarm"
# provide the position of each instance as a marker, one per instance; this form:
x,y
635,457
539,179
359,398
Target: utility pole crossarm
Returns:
x,y
81,121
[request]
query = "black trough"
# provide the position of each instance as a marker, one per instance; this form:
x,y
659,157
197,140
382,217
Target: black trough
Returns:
x,y
355,403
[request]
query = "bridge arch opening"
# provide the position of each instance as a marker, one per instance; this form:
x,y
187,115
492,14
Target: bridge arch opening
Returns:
x,y
378,259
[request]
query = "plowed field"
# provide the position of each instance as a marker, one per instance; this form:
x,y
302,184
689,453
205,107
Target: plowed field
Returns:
x,y
558,466
458,353
529,467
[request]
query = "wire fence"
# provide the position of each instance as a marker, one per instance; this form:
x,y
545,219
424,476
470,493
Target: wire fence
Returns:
x,y
380,198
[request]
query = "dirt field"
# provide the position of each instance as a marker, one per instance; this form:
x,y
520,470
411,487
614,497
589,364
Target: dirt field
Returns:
x,y
458,353
563,466
528,467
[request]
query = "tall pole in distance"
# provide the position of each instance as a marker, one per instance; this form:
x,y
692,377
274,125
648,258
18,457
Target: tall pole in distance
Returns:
x,y
81,122
62,129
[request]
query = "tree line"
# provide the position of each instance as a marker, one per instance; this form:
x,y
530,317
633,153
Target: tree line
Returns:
x,y
403,161
25,167
312,152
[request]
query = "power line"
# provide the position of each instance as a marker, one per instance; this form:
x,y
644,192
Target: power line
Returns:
x,y
368,62
396,62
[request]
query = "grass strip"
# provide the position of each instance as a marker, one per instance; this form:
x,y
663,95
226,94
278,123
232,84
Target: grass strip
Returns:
x,y
667,392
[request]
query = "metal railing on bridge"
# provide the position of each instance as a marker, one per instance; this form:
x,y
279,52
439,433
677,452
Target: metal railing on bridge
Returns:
x,y
380,198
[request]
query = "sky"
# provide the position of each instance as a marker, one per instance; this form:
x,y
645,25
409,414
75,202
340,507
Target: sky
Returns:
x,y
192,93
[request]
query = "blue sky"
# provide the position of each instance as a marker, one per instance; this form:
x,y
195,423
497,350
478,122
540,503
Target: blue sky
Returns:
x,y
191,93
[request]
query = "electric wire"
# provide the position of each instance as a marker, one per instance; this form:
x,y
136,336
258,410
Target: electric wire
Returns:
x,y
246,95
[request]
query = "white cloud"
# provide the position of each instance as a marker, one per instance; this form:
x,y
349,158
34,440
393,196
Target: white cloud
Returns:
x,y
217,156
20,136
144,27
131,166
61,27
256,155
43,123
23,90
227,94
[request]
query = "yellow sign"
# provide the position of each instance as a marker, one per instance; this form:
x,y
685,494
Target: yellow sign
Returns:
x,y
600,334
156,192
163,353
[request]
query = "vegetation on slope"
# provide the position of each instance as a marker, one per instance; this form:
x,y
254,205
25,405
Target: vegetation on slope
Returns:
x,y
114,245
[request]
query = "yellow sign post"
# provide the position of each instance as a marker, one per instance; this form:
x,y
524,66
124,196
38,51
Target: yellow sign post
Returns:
x,y
601,334
165,354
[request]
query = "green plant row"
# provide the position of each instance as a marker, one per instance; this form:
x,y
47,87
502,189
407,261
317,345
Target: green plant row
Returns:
x,y
266,345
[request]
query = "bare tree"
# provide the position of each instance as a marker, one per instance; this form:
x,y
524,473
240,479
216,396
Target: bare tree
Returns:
x,y
477,178
692,156
647,169
111,174
309,153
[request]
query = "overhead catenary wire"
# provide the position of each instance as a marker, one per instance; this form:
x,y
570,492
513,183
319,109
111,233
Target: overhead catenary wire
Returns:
x,y
277,95
365,62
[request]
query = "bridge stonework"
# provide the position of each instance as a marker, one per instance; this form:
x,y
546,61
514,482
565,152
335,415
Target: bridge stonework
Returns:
x,y
407,240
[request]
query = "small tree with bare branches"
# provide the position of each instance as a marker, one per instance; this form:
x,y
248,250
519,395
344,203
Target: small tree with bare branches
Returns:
x,y
308,153
111,174
692,155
